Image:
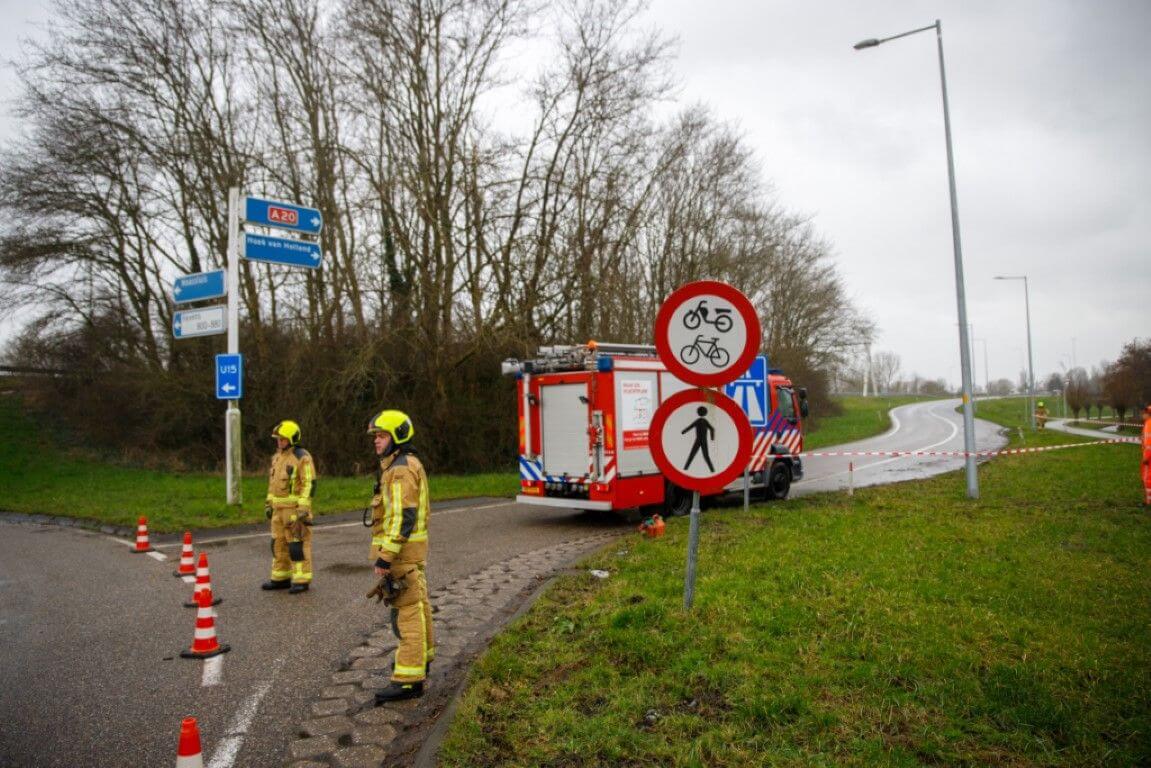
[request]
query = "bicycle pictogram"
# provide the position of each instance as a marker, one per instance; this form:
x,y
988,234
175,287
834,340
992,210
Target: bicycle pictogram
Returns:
x,y
699,316
708,348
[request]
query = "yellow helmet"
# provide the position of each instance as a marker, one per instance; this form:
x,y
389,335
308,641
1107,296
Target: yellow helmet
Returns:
x,y
395,423
289,430
1041,405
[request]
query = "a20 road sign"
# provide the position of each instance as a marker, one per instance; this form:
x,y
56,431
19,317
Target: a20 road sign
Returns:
x,y
272,213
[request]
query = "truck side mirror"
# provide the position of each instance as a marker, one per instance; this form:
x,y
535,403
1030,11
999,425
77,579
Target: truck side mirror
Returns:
x,y
803,407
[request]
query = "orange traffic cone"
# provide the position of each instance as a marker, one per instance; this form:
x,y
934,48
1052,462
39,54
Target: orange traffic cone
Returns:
x,y
142,544
188,754
203,581
204,643
187,558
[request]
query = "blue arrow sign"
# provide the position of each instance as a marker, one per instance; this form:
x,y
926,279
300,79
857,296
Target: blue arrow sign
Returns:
x,y
199,286
271,213
281,250
229,377
749,392
199,322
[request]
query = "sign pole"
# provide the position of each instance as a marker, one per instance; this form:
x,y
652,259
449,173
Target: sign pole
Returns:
x,y
233,438
692,550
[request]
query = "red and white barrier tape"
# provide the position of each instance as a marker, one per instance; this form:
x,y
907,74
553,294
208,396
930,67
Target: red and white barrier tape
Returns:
x,y
963,454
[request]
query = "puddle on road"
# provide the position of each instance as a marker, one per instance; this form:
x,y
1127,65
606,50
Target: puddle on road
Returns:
x,y
353,568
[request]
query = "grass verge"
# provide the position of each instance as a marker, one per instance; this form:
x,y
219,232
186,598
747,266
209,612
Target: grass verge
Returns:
x,y
904,626
47,478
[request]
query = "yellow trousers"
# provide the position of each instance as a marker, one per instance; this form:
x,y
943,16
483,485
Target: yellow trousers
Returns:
x,y
282,566
412,622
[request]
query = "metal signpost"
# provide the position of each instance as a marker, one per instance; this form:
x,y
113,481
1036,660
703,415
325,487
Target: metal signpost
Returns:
x,y
707,333
259,247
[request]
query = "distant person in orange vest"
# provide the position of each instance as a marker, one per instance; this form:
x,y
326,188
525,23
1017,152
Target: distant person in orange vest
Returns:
x,y
1147,456
1041,415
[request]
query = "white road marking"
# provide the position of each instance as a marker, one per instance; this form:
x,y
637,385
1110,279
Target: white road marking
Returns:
x,y
158,556
188,579
213,671
229,748
954,431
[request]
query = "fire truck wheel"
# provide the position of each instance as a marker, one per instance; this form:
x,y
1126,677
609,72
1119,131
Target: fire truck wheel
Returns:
x,y
677,501
778,481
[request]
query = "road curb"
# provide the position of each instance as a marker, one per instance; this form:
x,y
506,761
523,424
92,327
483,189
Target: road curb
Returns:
x,y
347,730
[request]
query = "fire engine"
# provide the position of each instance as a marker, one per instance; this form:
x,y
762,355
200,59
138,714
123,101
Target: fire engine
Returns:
x,y
584,413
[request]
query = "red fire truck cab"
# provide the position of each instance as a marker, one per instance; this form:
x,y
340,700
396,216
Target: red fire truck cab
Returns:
x,y
584,413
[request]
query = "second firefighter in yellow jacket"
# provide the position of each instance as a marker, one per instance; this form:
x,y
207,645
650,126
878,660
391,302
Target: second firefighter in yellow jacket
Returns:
x,y
400,550
291,485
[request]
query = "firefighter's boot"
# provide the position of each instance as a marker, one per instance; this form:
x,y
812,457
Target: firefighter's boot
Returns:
x,y
276,584
400,692
295,589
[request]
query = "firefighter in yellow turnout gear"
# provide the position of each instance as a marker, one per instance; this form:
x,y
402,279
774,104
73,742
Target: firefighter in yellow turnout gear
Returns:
x,y
400,549
1041,415
291,485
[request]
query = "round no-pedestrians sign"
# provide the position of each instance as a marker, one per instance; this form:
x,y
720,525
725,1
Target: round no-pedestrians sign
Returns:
x,y
700,440
707,333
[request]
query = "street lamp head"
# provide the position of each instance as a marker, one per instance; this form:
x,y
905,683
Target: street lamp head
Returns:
x,y
870,42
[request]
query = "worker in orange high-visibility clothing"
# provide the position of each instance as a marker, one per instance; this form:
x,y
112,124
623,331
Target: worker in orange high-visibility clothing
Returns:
x,y
291,486
1147,456
400,551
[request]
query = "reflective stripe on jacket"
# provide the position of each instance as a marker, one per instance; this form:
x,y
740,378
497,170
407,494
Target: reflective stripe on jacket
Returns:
x,y
400,511
292,478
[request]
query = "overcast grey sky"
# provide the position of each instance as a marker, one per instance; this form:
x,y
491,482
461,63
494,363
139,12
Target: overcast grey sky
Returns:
x,y
1051,119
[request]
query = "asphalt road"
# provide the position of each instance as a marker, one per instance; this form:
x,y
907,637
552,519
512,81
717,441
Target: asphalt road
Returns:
x,y
930,426
92,632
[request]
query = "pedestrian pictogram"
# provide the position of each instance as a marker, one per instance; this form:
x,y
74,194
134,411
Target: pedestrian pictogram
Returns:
x,y
704,432
707,333
701,440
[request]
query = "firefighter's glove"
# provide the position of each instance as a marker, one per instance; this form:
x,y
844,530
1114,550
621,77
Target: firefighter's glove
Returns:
x,y
268,511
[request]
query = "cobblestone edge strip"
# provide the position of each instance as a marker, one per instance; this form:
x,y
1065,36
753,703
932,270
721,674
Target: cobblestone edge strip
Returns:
x,y
347,731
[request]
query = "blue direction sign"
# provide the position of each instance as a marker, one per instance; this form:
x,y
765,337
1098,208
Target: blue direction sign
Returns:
x,y
270,213
199,286
229,377
199,322
749,392
281,250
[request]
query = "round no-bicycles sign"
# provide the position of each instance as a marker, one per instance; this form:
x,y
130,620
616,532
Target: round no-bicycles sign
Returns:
x,y
707,333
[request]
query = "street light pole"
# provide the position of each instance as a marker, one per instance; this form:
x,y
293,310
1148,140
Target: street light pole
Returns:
x,y
960,297
1030,359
